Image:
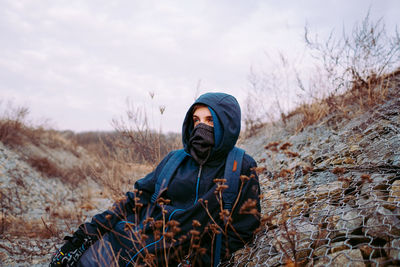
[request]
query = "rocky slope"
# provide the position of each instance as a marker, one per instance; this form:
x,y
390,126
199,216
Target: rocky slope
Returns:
x,y
37,210
331,193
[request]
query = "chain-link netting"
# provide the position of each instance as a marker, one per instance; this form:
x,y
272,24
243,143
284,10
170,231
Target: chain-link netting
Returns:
x,y
332,192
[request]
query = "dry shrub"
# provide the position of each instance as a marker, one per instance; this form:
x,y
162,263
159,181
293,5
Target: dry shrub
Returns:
x,y
128,153
117,171
45,166
57,140
264,101
252,117
66,213
311,113
12,123
138,133
352,73
21,227
357,58
49,168
16,129
354,101
356,69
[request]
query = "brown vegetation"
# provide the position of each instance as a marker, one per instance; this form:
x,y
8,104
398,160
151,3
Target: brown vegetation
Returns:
x,y
352,74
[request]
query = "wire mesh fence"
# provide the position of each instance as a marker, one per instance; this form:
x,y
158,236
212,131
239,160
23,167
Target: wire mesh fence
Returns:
x,y
332,193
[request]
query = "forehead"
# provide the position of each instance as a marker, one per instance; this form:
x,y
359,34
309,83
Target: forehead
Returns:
x,y
202,111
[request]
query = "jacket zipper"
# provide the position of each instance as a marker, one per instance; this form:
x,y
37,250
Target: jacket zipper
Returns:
x,y
198,184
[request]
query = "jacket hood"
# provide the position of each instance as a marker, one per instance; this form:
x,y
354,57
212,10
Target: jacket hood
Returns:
x,y
228,118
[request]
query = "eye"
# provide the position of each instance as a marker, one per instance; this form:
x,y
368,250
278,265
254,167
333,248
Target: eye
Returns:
x,y
210,121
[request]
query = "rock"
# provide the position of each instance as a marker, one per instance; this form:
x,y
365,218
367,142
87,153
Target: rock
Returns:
x,y
297,236
339,246
349,221
366,206
396,160
274,261
299,207
272,199
331,190
355,150
394,196
340,220
341,161
342,258
322,178
321,251
370,252
393,249
378,262
320,212
378,193
383,224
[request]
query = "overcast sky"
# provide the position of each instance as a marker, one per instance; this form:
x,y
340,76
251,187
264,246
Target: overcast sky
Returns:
x,y
76,62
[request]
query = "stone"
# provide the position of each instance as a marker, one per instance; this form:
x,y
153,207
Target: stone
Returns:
x,y
330,190
342,258
396,160
394,195
272,200
321,251
348,222
349,160
321,212
338,246
366,206
298,237
355,150
271,261
342,220
322,178
378,262
369,251
299,207
393,249
383,224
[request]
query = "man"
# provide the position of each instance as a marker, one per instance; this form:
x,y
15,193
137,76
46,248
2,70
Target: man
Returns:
x,y
181,223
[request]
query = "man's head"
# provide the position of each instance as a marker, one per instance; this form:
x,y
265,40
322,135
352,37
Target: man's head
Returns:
x,y
201,114
225,116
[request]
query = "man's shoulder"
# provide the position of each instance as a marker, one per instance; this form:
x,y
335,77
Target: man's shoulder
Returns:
x,y
248,160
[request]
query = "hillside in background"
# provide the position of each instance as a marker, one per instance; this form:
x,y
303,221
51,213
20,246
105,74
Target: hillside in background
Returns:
x,y
49,185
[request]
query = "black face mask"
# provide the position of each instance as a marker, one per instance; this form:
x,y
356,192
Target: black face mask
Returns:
x,y
201,142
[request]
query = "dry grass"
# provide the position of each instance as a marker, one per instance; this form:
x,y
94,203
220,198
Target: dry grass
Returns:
x,y
45,166
116,170
361,97
13,127
352,73
35,228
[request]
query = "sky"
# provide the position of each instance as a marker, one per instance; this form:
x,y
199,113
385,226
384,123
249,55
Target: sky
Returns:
x,y
75,64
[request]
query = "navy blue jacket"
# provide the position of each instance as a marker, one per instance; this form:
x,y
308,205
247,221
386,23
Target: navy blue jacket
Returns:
x,y
135,225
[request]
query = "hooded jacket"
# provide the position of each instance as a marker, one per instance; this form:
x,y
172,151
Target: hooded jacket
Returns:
x,y
189,209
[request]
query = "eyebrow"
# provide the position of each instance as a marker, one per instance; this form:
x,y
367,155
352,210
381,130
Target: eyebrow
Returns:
x,y
207,117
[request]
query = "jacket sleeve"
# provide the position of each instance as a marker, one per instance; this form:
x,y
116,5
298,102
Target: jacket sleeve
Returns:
x,y
246,214
105,221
